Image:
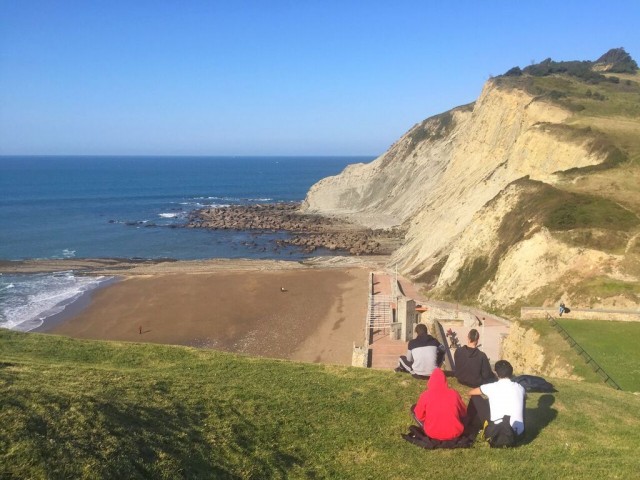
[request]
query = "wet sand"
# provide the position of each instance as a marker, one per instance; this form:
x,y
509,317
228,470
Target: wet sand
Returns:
x,y
317,319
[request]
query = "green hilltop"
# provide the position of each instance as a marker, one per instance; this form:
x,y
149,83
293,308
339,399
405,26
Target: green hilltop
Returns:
x,y
90,409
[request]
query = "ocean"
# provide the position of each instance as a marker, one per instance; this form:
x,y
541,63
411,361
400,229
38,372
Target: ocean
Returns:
x,y
129,207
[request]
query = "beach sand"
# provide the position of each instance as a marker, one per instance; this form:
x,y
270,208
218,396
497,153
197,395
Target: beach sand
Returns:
x,y
317,319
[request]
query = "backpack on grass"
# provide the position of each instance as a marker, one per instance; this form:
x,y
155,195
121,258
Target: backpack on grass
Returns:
x,y
500,434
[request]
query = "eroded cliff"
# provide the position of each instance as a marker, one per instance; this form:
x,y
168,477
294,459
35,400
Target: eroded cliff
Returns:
x,y
457,180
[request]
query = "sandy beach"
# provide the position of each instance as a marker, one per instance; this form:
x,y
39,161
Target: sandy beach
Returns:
x,y
236,306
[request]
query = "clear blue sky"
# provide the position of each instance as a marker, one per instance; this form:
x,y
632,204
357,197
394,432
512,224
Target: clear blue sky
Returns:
x,y
269,77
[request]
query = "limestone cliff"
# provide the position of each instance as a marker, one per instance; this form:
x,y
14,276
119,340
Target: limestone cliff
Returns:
x,y
453,179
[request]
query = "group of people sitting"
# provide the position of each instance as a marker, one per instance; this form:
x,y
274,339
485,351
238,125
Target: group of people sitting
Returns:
x,y
440,411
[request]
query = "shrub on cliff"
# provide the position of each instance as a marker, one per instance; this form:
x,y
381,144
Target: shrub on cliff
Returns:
x,y
617,60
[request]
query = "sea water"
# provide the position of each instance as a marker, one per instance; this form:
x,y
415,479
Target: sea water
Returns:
x,y
132,207
27,300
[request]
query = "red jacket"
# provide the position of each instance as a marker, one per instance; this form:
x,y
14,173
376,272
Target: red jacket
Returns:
x,y
440,409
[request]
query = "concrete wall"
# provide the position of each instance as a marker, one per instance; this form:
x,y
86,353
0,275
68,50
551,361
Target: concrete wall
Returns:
x,y
360,356
527,313
406,309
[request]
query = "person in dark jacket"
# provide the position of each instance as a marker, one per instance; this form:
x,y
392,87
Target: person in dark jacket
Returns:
x,y
440,410
424,354
472,367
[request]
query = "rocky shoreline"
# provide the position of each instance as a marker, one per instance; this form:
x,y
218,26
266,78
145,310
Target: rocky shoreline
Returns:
x,y
308,232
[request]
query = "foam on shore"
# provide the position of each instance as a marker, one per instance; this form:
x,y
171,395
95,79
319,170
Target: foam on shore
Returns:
x,y
28,300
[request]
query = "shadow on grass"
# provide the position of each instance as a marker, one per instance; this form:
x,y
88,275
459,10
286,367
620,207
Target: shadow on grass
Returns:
x,y
536,419
63,436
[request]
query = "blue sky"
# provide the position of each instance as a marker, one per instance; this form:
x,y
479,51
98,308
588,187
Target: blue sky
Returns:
x,y
269,77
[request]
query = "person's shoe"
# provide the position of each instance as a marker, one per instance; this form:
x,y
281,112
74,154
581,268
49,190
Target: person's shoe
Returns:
x,y
398,370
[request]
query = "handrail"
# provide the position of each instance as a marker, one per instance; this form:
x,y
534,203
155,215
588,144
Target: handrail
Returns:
x,y
582,352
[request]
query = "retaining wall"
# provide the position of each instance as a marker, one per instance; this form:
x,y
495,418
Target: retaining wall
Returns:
x,y
527,313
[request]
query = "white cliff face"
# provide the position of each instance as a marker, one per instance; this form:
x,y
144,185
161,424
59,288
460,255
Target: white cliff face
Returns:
x,y
534,263
503,140
389,190
438,177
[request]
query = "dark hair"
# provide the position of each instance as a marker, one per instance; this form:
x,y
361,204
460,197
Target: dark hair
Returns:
x,y
473,335
421,329
503,369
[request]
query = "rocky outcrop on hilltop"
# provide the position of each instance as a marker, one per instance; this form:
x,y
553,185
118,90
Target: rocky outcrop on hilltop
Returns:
x,y
616,60
455,181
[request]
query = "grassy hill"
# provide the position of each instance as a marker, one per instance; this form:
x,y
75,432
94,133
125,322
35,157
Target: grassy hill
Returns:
x,y
88,409
613,345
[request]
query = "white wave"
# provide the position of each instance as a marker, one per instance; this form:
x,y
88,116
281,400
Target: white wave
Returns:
x,y
67,253
235,199
168,215
36,297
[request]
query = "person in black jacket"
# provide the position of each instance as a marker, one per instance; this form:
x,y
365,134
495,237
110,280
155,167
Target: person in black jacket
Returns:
x,y
424,354
472,367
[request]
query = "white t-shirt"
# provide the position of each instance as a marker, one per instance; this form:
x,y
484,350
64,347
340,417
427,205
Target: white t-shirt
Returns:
x,y
506,398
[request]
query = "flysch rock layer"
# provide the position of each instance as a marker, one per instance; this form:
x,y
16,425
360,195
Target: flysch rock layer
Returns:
x,y
439,176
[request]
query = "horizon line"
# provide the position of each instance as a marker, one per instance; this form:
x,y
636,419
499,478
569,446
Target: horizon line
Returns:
x,y
101,155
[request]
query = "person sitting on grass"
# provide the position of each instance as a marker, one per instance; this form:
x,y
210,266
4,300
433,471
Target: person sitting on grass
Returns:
x,y
506,401
472,367
440,410
424,354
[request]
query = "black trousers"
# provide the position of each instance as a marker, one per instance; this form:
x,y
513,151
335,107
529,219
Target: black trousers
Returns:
x,y
478,412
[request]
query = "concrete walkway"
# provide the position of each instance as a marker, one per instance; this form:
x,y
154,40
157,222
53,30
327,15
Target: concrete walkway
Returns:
x,y
385,351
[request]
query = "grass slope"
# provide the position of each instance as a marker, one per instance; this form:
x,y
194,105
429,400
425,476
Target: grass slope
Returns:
x,y
88,409
614,345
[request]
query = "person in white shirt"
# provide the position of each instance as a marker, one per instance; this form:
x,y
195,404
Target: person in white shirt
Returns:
x,y
505,398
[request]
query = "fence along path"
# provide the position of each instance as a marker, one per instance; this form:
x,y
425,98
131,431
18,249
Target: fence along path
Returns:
x,y
583,353
380,312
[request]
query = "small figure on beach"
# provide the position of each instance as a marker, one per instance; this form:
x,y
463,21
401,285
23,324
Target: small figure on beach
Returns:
x,y
562,308
140,329
424,354
282,289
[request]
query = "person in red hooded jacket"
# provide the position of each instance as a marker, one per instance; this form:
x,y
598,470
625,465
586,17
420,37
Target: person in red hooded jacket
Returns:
x,y
440,409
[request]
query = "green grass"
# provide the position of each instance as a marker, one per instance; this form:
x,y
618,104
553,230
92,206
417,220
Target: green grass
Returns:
x,y
609,109
555,345
604,240
87,409
587,291
583,98
614,345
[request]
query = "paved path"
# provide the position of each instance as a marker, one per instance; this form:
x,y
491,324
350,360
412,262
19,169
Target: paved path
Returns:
x,y
385,351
